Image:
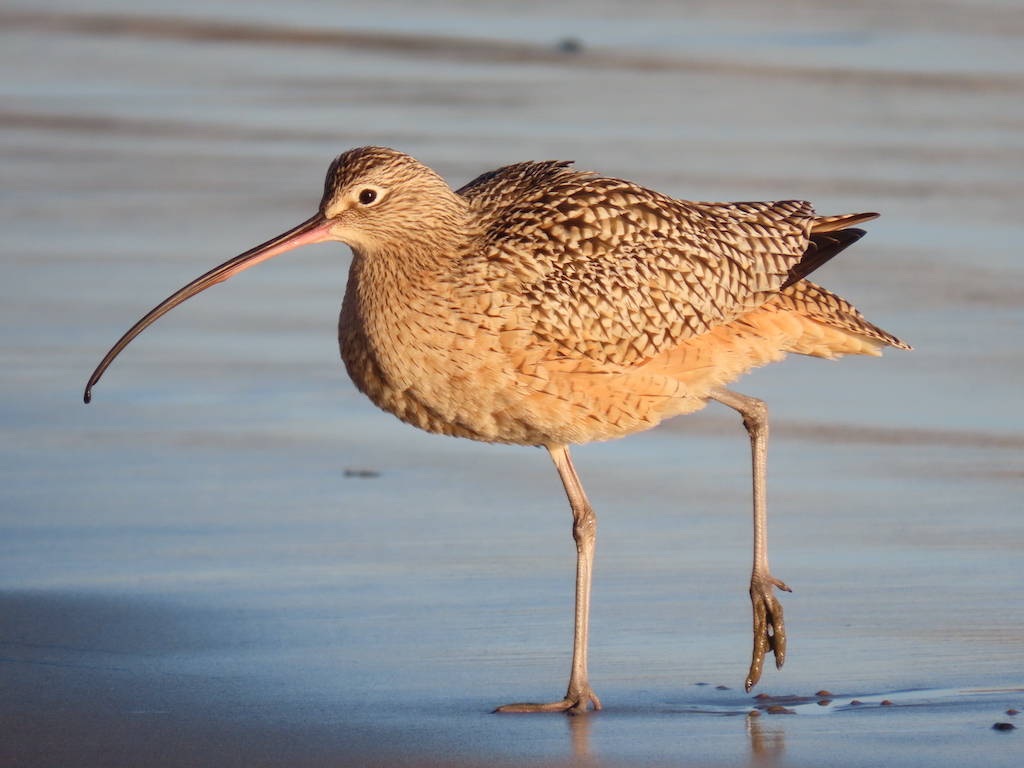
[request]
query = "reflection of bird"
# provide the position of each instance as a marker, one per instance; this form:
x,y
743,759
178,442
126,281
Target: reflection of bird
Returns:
x,y
540,305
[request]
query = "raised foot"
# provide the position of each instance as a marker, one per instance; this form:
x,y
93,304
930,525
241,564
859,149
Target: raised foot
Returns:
x,y
573,704
769,628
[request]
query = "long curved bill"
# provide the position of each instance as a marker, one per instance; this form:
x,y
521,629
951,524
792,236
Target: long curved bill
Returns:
x,y
315,230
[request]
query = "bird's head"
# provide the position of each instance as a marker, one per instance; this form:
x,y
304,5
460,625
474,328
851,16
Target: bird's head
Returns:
x,y
376,200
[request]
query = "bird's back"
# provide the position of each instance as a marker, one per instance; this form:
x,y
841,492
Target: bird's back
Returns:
x,y
619,273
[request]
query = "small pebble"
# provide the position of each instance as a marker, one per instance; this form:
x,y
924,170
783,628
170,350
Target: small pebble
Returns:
x,y
1003,727
855,702
722,688
762,696
570,45
823,693
886,703
754,713
1011,711
824,702
701,683
361,473
777,710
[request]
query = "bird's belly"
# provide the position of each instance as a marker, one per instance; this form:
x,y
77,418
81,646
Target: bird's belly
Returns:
x,y
468,364
483,382
480,389
447,391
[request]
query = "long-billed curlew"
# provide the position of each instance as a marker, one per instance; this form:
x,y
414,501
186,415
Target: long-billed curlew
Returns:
x,y
541,305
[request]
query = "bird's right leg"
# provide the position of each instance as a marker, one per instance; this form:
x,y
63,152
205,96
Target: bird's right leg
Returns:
x,y
769,630
579,696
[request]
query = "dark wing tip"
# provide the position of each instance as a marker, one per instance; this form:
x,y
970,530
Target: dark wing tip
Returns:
x,y
822,247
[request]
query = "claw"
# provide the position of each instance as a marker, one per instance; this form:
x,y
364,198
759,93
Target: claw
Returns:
x,y
769,627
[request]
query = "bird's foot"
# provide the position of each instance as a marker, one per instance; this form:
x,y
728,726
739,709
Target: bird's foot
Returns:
x,y
575,703
769,629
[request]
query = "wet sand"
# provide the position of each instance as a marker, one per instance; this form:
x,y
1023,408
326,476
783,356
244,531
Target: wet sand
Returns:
x,y
231,558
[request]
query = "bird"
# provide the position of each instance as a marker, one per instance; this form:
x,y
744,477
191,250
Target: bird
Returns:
x,y
542,305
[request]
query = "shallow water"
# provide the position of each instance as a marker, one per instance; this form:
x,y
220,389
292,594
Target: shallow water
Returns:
x,y
231,558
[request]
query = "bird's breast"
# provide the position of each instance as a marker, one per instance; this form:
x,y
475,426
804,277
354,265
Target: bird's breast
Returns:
x,y
435,356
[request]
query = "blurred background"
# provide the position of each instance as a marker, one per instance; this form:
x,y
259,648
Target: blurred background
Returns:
x,y
231,558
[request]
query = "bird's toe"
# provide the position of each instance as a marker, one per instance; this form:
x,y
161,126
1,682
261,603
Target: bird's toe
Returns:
x,y
769,627
574,703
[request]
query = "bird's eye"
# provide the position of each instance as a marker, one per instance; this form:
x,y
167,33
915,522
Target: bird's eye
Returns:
x,y
367,196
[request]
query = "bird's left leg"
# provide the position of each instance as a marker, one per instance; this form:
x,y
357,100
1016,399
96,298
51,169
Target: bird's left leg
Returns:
x,y
769,629
579,697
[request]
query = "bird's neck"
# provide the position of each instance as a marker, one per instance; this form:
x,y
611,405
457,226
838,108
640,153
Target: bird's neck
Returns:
x,y
397,279
414,259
